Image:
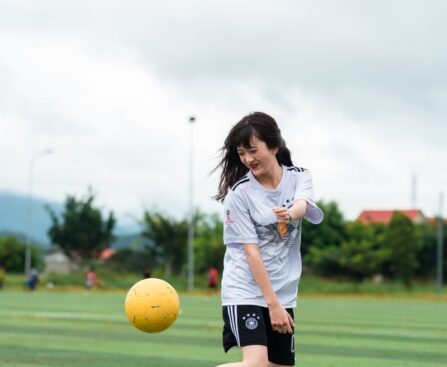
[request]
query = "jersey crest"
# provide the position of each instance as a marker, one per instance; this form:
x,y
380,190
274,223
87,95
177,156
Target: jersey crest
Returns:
x,y
228,219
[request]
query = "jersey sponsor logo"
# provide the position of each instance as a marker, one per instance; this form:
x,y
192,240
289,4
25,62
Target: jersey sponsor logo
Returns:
x,y
228,219
251,321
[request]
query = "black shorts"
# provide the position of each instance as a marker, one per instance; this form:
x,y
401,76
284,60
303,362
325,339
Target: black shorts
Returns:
x,y
250,325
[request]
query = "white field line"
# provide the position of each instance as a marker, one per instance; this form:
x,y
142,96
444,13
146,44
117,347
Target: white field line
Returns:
x,y
61,315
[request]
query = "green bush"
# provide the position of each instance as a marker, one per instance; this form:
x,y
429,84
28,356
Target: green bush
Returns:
x,y
12,255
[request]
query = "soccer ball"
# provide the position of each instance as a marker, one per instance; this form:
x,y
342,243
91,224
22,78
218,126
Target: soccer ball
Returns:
x,y
152,305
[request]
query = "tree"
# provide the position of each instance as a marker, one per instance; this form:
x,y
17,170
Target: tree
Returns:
x,y
166,241
331,232
209,245
130,260
363,254
427,254
12,255
403,244
81,232
324,261
320,244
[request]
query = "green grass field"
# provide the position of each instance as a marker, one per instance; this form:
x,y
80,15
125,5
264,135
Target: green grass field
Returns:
x,y
74,329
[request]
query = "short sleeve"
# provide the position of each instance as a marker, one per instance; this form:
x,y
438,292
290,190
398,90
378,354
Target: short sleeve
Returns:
x,y
238,226
304,190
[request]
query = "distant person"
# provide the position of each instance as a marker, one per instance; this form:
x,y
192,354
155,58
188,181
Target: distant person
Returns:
x,y
147,273
213,279
91,279
32,279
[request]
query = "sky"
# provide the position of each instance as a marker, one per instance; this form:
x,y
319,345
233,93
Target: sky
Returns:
x,y
358,88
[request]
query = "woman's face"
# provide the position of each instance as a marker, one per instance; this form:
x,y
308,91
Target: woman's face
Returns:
x,y
259,159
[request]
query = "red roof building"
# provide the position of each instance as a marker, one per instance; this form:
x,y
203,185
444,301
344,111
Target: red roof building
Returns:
x,y
384,216
107,253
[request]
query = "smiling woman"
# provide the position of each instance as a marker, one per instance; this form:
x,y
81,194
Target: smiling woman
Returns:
x,y
265,198
260,160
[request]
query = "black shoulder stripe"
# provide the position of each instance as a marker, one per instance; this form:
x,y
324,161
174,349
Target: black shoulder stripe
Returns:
x,y
242,178
238,183
296,169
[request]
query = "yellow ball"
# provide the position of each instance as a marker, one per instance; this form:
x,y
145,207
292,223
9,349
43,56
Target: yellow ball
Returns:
x,y
152,305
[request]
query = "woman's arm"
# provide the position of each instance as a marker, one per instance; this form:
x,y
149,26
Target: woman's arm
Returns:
x,y
296,211
280,319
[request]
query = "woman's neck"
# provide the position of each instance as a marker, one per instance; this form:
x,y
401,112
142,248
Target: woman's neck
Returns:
x,y
272,179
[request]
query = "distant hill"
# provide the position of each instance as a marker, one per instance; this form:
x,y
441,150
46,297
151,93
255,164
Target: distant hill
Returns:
x,y
14,220
14,215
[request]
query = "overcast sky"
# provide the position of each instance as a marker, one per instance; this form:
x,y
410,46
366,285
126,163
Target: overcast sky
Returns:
x,y
359,89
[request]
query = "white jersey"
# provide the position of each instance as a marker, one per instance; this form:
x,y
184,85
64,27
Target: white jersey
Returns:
x,y
248,218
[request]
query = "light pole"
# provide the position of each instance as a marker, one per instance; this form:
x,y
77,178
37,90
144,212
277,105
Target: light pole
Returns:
x,y
192,119
30,208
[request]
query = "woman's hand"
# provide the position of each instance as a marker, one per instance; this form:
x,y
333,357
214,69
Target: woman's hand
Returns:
x,y
281,320
282,217
296,211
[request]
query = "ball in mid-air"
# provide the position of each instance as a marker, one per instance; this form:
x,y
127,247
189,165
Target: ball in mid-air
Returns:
x,y
152,305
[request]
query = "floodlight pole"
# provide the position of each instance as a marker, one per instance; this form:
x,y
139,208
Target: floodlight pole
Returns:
x,y
192,119
30,209
440,250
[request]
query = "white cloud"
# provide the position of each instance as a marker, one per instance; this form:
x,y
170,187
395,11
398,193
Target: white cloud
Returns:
x,y
358,92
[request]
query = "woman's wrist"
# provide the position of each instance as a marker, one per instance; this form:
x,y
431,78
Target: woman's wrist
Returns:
x,y
272,302
290,215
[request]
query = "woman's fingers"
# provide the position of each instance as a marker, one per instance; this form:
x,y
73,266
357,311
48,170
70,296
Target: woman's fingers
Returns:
x,y
286,327
281,214
291,322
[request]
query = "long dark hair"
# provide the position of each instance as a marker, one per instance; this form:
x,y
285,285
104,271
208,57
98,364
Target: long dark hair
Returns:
x,y
265,128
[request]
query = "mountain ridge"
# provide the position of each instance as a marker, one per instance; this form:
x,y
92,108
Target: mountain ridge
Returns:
x,y
14,219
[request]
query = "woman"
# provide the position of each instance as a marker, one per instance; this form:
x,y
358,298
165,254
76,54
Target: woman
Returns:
x,y
265,196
